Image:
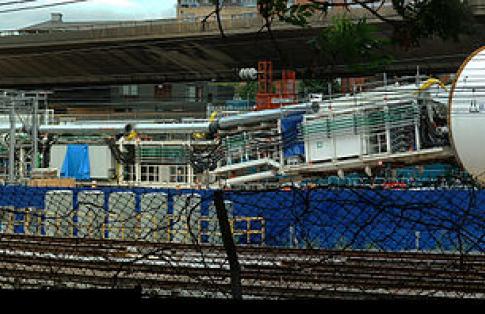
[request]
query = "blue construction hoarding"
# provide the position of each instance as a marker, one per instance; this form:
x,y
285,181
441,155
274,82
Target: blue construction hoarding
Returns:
x,y
325,218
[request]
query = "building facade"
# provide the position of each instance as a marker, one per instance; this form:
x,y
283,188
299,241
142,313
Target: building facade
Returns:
x,y
196,10
139,101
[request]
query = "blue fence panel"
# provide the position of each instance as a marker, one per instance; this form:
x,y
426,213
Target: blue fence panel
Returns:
x,y
326,218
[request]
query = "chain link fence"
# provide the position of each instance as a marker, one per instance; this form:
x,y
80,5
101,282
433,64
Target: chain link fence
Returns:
x,y
332,242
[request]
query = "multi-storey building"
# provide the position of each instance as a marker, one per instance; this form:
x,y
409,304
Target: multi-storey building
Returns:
x,y
139,101
231,9
57,23
162,100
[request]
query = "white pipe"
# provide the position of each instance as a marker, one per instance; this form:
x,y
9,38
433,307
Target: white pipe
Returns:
x,y
113,128
260,116
251,177
154,128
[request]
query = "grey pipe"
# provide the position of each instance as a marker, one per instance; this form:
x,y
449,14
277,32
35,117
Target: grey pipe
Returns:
x,y
81,128
11,150
146,128
259,116
87,128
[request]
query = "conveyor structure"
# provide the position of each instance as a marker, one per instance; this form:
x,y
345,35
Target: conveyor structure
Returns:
x,y
396,124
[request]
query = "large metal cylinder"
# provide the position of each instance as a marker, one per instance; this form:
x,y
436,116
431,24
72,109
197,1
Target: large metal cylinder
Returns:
x,y
466,119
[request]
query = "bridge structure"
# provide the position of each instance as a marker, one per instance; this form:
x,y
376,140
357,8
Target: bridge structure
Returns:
x,y
154,52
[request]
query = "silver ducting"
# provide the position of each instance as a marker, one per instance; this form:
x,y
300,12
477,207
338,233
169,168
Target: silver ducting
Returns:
x,y
114,128
261,116
96,127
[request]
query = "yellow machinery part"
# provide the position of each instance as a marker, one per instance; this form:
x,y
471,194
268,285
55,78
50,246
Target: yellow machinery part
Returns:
x,y
430,82
133,135
200,136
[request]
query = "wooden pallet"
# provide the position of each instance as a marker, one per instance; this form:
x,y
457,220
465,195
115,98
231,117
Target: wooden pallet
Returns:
x,y
65,182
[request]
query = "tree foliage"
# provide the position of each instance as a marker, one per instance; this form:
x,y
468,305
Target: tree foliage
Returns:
x,y
355,42
429,18
248,90
310,86
297,14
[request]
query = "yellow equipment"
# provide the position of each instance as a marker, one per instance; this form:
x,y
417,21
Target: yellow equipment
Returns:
x,y
430,82
131,136
201,136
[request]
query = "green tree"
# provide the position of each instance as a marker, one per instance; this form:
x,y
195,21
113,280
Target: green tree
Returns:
x,y
356,43
248,90
310,86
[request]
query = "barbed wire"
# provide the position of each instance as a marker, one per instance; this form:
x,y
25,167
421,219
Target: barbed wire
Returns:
x,y
337,241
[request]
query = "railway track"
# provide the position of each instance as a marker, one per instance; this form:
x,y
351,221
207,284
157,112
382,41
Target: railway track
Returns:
x,y
163,268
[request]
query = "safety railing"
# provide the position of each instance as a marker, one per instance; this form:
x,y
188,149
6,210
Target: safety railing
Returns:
x,y
248,232
169,228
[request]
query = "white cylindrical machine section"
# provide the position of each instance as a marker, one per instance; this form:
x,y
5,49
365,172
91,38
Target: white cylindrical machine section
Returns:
x,y
467,115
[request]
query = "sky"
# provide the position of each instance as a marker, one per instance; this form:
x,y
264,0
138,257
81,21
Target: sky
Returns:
x,y
87,11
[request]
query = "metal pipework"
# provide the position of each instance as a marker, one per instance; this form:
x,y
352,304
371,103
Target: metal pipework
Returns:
x,y
146,128
155,128
87,128
259,116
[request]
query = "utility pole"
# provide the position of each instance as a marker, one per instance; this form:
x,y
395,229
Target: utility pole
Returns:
x,y
35,131
229,245
11,158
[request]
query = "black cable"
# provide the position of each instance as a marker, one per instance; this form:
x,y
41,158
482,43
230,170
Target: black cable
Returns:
x,y
42,6
16,2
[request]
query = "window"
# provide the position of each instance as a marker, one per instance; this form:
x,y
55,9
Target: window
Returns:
x,y
129,90
194,93
178,174
249,3
163,91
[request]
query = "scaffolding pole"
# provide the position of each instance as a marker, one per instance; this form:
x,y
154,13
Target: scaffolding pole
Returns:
x,y
11,158
35,132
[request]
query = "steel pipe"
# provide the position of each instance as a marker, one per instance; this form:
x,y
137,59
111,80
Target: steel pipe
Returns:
x,y
259,116
114,128
95,128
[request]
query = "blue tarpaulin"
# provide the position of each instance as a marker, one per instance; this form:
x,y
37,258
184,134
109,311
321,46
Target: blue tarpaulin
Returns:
x,y
76,162
292,146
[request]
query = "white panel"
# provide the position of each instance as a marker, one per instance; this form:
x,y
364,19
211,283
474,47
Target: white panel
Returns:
x,y
59,213
321,149
186,211
213,231
91,214
58,153
347,145
467,115
100,162
6,219
154,208
122,216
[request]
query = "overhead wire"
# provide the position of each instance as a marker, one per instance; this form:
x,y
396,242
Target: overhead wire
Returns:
x,y
16,2
42,6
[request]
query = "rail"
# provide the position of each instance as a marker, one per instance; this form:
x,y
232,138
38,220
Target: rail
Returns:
x,y
266,272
